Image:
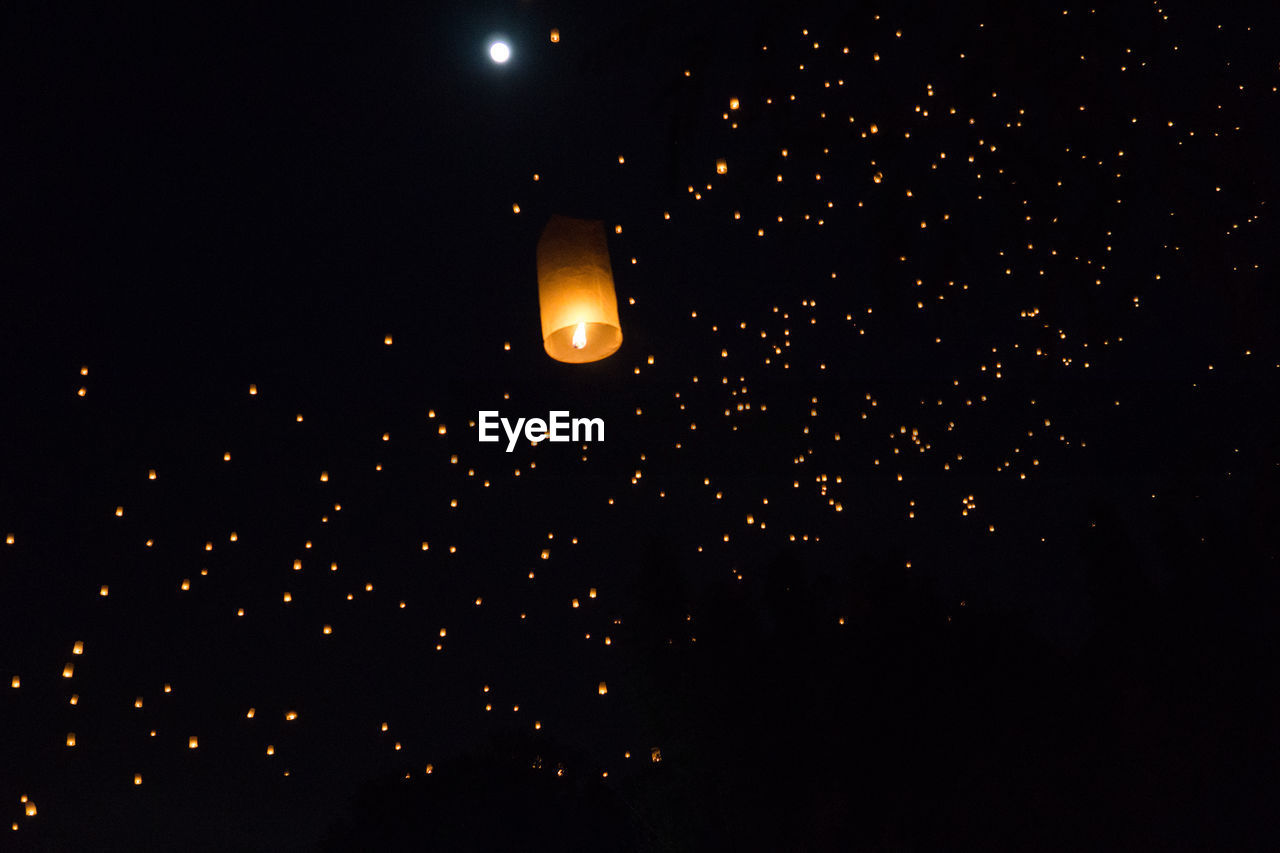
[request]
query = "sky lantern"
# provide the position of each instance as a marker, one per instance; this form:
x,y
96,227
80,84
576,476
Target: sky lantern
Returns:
x,y
575,291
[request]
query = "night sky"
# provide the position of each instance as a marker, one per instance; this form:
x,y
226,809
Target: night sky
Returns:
x,y
937,502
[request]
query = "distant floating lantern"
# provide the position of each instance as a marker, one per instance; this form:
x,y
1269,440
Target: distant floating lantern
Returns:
x,y
193,742
555,34
31,809
733,103
602,689
575,291
71,738
721,166
68,670
78,648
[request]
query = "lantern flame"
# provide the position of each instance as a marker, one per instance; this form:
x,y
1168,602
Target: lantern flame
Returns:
x,y
580,336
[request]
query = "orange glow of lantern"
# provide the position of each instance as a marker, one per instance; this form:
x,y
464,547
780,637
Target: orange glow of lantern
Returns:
x,y
575,291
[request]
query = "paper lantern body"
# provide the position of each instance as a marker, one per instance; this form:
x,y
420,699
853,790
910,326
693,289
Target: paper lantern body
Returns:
x,y
575,291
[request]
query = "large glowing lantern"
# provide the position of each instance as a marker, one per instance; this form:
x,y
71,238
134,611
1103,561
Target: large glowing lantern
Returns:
x,y
575,291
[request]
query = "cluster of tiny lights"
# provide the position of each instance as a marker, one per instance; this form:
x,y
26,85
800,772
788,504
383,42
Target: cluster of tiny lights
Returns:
x,y
808,441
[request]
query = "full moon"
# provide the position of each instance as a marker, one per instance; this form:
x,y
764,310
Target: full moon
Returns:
x,y
499,52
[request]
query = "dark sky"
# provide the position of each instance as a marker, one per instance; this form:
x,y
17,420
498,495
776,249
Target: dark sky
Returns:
x,y
982,321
